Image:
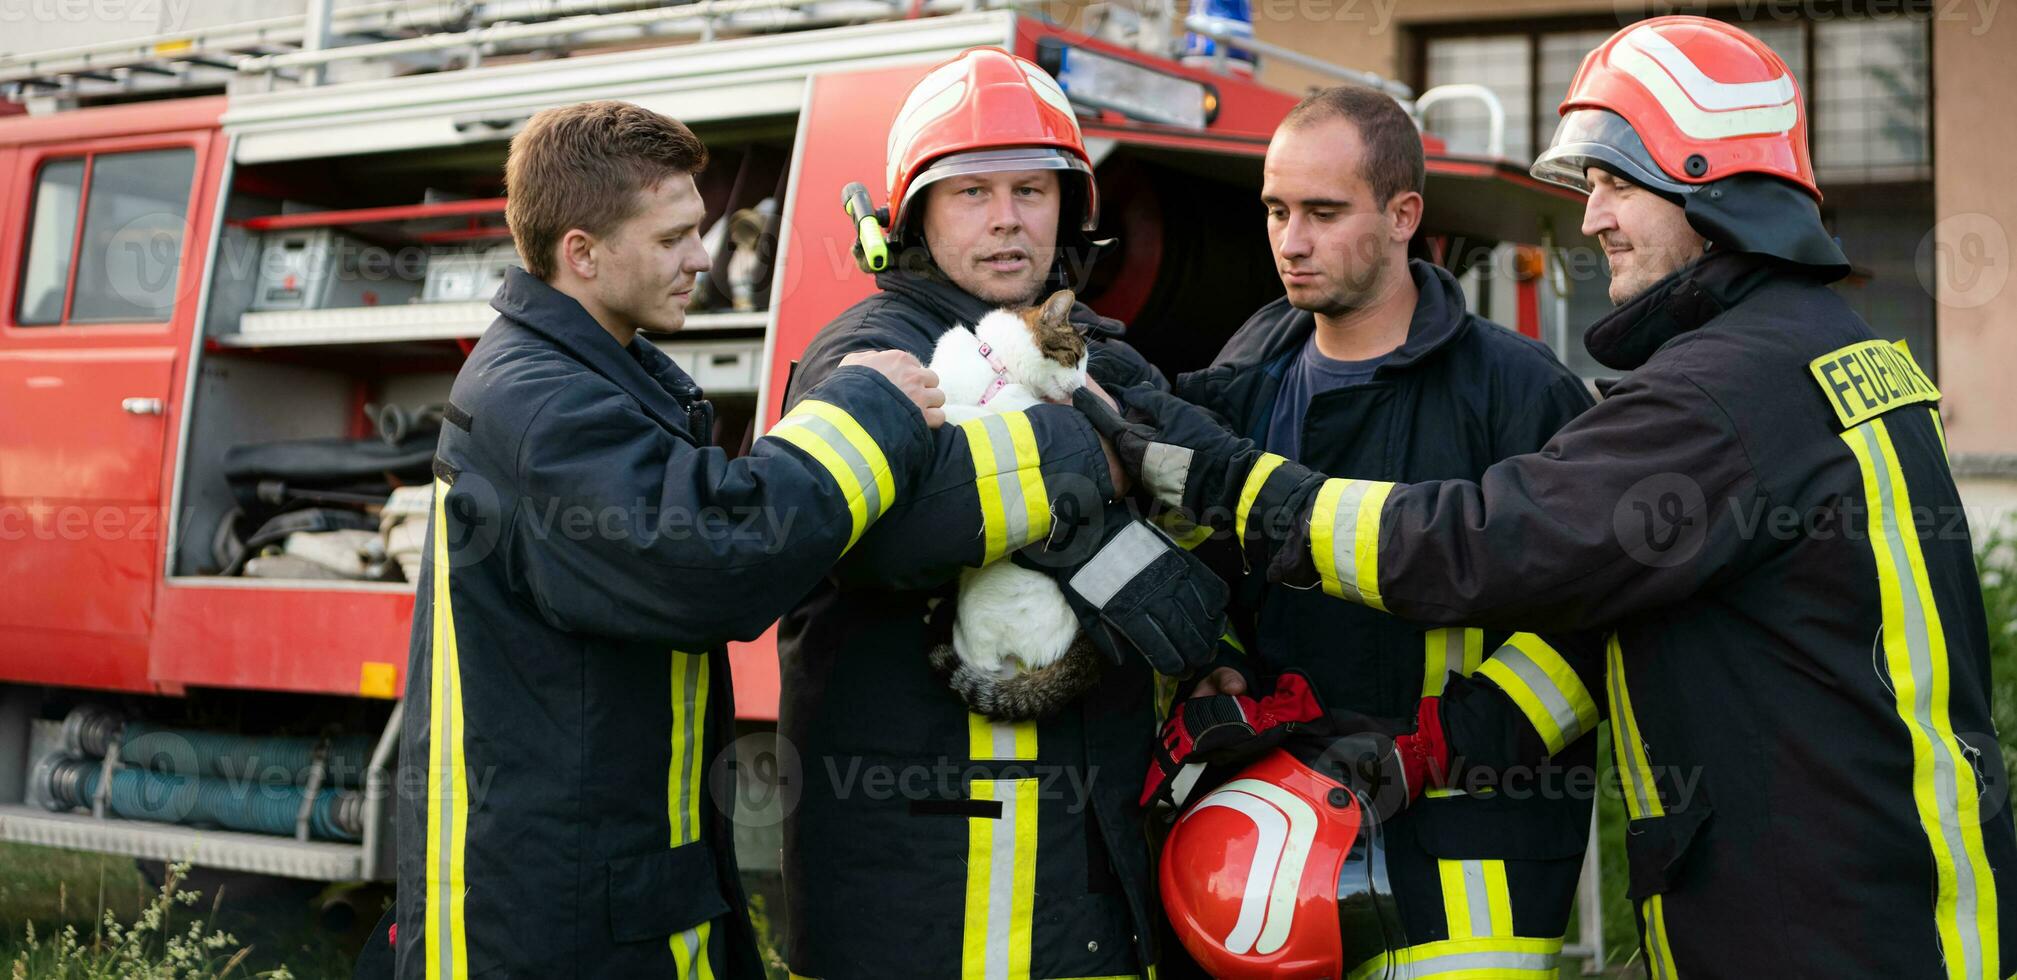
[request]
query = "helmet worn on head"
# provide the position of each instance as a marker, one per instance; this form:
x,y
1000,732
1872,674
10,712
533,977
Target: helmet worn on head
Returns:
x,y
1674,103
1280,873
985,111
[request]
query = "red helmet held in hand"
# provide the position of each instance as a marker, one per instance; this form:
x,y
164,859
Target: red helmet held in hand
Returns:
x,y
1280,873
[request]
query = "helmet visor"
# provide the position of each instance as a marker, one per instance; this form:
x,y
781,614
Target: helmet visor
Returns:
x,y
1369,924
1600,138
1005,161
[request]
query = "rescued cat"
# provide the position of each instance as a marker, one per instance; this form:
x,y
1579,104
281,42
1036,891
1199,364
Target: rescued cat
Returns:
x,y
1014,651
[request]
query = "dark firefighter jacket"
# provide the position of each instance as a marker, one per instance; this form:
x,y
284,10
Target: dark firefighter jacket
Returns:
x,y
1460,394
930,842
1799,676
568,690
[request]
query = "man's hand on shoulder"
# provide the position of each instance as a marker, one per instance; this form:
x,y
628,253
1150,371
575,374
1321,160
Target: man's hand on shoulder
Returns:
x,y
917,382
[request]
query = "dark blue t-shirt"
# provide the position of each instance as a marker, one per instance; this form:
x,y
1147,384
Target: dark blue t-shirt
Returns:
x,y
1309,375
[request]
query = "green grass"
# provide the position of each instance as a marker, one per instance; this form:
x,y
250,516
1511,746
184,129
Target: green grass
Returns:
x,y
120,925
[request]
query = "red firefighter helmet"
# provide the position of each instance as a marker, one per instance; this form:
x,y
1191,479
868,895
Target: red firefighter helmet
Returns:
x,y
1280,873
985,111
1673,103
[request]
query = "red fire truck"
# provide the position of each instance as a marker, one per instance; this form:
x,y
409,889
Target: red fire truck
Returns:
x,y
212,307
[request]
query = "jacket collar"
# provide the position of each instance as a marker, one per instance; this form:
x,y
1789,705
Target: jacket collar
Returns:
x,y
1440,317
640,369
929,288
1691,296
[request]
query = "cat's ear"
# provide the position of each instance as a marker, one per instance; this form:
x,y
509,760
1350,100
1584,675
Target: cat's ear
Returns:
x,y
1057,311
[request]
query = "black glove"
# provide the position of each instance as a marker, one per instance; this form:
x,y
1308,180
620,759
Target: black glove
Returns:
x,y
1138,590
1191,462
1178,451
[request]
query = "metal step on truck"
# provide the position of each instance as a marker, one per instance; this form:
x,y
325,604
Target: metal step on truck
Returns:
x,y
239,270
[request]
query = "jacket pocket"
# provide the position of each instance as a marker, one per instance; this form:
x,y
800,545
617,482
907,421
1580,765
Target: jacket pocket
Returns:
x,y
1656,850
1499,827
652,896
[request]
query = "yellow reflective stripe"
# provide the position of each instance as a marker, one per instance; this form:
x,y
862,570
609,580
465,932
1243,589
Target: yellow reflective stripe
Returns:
x,y
1345,539
1642,798
1915,662
1008,476
683,790
689,954
1001,882
1447,649
447,935
1229,639
689,741
1251,490
1940,429
845,450
1029,472
1180,529
1659,954
1323,535
1509,958
1369,544
1545,688
1437,656
1476,902
990,739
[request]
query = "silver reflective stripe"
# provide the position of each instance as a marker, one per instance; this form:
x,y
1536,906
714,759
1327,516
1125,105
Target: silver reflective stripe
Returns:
x,y
1001,880
1465,962
1345,541
1920,651
1007,477
1004,736
444,945
1544,688
1167,469
1117,564
1624,732
689,687
1479,899
696,951
864,475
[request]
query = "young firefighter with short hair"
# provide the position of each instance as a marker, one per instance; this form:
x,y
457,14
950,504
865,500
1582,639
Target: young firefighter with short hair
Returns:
x,y
568,686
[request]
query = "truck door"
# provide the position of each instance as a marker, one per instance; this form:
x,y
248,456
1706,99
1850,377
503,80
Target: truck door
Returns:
x,y
98,281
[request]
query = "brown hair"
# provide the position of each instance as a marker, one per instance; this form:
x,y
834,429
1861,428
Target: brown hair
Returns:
x,y
1393,160
582,166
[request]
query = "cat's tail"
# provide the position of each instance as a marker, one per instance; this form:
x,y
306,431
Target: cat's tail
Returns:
x,y
1022,695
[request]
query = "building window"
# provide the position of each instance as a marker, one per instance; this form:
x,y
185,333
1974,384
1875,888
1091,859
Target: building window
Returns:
x,y
1867,85
123,263
1500,63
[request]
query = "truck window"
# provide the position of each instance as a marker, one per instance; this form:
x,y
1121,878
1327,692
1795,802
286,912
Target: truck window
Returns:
x,y
124,267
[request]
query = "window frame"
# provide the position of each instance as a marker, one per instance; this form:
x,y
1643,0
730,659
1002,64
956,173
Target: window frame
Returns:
x,y
27,170
1541,119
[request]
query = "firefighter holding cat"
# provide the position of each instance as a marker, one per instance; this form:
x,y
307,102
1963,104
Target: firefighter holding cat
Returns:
x,y
1007,848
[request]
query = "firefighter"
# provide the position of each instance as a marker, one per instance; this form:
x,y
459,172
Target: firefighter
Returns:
x,y
930,841
590,555
1761,511
1371,365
